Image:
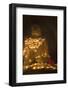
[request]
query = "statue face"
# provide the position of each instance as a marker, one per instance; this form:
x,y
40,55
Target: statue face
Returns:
x,y
36,31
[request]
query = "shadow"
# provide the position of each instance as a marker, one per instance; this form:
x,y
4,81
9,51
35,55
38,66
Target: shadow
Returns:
x,y
6,83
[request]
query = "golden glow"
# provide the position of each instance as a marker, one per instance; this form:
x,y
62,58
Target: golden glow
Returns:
x,y
26,67
42,66
26,56
36,49
38,56
47,67
34,43
34,68
30,60
38,66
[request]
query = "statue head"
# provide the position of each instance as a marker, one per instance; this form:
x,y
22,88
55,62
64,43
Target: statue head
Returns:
x,y
36,31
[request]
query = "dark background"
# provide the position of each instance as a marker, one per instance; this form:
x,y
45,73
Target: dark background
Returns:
x,y
48,25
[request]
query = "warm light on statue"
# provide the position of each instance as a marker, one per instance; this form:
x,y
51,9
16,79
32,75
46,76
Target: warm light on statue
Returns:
x,y
35,51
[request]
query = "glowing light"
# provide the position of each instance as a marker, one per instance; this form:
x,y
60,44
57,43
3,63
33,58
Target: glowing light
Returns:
x,y
37,56
34,68
47,67
42,66
30,60
26,67
35,64
38,67
34,48
54,68
34,43
26,56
